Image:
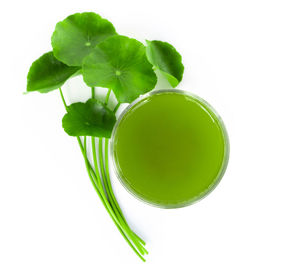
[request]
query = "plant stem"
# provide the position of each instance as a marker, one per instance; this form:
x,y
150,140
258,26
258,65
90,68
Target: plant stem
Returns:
x,y
101,162
95,160
63,99
107,96
105,189
105,192
136,238
107,183
108,209
116,107
106,201
93,92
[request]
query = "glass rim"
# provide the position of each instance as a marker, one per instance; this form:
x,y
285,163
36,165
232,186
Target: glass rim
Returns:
x,y
223,167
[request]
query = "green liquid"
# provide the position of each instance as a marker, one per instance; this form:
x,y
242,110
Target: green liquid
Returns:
x,y
170,149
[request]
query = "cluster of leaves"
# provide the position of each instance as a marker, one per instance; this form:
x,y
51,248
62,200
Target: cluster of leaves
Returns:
x,y
87,44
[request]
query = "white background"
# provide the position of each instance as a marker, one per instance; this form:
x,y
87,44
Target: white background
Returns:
x,y
241,56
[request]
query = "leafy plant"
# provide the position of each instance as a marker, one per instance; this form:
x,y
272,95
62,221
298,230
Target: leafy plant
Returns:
x,y
77,35
128,74
164,57
89,119
47,74
85,43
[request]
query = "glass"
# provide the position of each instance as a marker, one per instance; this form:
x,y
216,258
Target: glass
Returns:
x,y
173,203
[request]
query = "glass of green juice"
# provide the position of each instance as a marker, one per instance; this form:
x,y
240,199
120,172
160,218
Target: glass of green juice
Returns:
x,y
169,148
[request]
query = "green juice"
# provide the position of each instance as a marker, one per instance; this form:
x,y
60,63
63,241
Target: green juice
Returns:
x,y
170,148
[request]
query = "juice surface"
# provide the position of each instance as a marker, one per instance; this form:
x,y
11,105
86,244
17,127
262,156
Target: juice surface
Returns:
x,y
169,149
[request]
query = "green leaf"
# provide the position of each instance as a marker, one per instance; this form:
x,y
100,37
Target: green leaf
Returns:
x,y
120,63
77,35
91,118
47,74
166,59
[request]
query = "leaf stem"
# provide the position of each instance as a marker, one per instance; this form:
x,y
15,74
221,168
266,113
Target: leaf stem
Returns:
x,y
63,99
116,107
107,96
95,160
107,203
93,92
103,200
100,157
107,183
105,192
136,238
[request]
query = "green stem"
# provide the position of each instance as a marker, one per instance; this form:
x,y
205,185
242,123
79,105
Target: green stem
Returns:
x,y
116,107
63,99
101,164
94,177
93,174
80,145
107,183
95,160
78,138
108,209
110,194
106,173
93,92
94,147
91,171
107,96
100,187
106,202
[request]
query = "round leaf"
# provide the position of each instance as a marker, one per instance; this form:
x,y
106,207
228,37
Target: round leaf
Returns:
x,y
77,35
166,59
47,74
120,63
91,118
